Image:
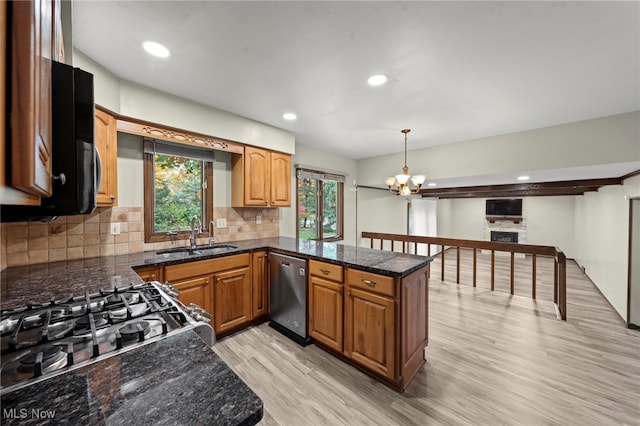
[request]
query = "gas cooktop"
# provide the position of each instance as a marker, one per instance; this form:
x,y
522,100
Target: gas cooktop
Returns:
x,y
42,340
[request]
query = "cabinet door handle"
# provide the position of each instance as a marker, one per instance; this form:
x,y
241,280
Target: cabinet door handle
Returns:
x,y
113,197
369,282
349,293
325,271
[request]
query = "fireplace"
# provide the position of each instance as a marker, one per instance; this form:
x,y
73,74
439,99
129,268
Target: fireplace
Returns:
x,y
504,237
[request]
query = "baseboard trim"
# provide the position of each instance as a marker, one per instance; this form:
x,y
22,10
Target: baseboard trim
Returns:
x,y
615,311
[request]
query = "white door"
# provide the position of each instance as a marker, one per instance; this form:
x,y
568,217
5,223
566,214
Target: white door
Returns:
x,y
423,221
634,264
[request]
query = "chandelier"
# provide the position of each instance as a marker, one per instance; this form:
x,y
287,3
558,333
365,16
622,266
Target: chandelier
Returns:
x,y
402,181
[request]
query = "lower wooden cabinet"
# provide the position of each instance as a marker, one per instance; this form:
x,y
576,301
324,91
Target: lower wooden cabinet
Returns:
x,y
325,312
260,278
232,299
221,286
370,331
196,290
377,322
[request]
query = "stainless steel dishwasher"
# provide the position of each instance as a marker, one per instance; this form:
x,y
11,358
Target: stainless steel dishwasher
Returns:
x,y
288,296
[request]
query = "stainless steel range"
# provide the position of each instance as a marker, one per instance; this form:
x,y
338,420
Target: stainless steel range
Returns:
x,y
39,341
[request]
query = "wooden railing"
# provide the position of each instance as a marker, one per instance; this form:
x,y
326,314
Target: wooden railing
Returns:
x,y
412,241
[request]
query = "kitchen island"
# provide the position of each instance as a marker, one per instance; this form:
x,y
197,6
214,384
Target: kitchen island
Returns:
x,y
117,391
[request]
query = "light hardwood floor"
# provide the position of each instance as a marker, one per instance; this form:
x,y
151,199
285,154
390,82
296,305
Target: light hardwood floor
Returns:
x,y
492,359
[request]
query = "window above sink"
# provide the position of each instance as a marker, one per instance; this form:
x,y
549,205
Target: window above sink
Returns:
x,y
178,187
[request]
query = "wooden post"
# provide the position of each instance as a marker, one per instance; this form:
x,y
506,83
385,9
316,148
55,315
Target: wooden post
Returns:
x,y
475,266
457,265
512,267
562,260
533,276
442,265
555,279
493,269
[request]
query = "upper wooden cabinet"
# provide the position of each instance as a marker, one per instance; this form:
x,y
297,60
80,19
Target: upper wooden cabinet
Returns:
x,y
261,178
31,53
280,180
106,140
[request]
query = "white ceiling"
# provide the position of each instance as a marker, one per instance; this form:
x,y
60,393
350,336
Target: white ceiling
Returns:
x,y
457,70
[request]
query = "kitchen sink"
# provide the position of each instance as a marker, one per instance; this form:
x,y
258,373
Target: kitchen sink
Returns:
x,y
209,249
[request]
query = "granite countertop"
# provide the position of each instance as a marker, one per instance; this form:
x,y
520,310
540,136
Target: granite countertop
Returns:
x,y
56,280
177,380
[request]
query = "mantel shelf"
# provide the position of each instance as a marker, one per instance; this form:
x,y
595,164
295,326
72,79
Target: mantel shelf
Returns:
x,y
514,219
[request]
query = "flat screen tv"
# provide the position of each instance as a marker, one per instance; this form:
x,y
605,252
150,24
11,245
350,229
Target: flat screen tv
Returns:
x,y
504,207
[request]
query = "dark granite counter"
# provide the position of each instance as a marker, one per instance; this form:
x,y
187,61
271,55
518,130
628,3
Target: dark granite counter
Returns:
x,y
55,280
174,381
371,260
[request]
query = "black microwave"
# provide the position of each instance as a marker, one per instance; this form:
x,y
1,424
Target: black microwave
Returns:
x,y
76,164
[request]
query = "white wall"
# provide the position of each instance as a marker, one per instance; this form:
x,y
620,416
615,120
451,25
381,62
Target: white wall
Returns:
x,y
550,222
136,101
602,239
130,171
222,179
634,279
324,161
599,141
461,218
381,211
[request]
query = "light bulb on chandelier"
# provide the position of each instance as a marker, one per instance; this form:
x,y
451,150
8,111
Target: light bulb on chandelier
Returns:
x,y
401,181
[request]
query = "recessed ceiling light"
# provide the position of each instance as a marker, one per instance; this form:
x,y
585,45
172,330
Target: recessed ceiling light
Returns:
x,y
431,184
377,80
156,49
523,177
289,116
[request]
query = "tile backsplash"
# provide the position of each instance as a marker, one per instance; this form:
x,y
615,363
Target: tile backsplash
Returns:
x,y
84,236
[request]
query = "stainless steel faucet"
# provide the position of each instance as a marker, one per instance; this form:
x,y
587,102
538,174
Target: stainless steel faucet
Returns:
x,y
192,238
212,237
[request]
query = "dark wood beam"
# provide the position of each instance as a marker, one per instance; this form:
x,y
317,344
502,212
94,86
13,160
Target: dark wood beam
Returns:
x,y
535,189
528,189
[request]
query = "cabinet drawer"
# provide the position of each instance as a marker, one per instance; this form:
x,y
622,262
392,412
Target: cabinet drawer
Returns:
x,y
202,267
230,262
325,270
371,282
187,270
